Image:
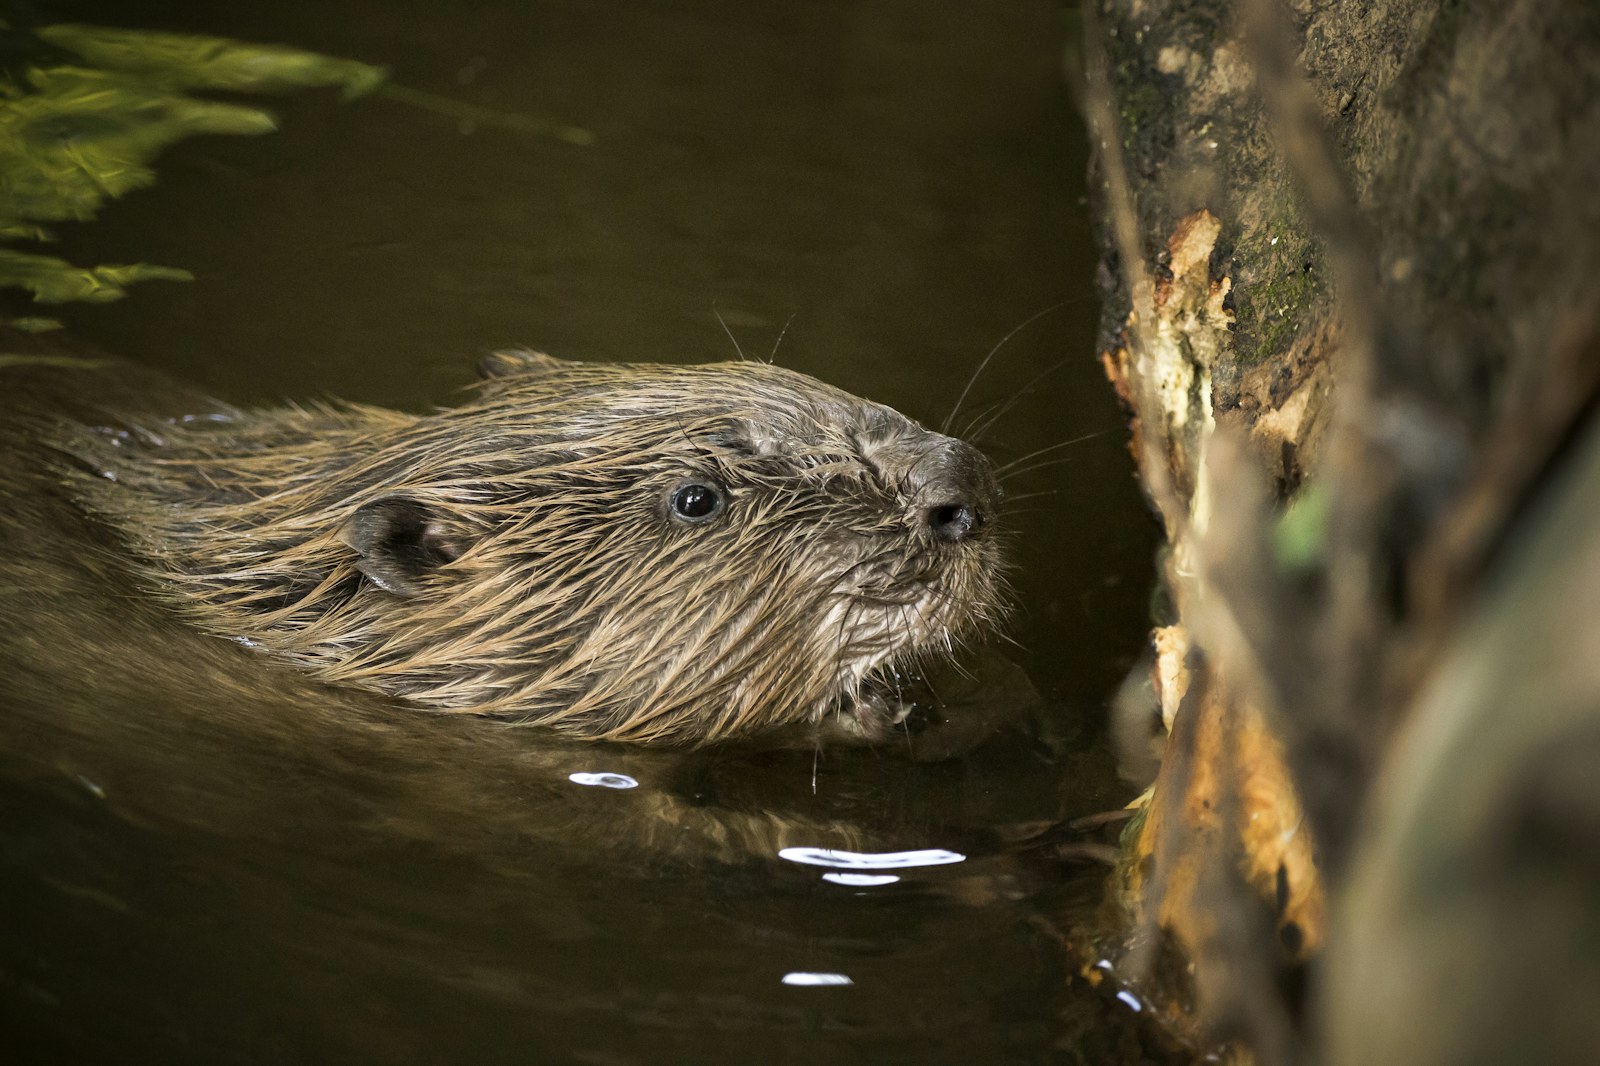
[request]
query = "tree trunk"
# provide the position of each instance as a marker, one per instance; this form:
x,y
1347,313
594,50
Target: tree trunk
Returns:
x,y
1351,305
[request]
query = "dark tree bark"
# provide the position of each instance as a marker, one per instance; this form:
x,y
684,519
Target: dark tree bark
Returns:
x,y
1353,275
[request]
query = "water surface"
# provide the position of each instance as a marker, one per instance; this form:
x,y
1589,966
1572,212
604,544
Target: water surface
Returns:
x,y
875,193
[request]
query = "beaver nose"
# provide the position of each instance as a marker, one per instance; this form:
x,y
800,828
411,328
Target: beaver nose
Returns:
x,y
959,490
955,521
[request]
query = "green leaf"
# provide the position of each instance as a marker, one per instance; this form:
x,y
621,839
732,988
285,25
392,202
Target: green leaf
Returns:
x,y
186,61
54,280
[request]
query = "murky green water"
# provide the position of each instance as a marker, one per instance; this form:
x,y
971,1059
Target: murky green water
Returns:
x,y
890,187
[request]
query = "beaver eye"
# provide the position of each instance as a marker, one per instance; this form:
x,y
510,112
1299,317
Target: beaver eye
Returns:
x,y
696,502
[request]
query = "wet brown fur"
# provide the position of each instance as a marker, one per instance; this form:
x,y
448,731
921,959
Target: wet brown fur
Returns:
x,y
517,555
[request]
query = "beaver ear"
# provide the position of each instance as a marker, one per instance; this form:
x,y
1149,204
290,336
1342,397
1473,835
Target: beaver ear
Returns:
x,y
400,542
513,361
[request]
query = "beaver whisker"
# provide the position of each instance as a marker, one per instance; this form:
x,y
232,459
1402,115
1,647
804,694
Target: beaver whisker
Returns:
x,y
773,358
1004,469
724,324
978,427
944,427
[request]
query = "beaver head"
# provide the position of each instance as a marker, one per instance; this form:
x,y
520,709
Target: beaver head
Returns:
x,y
632,552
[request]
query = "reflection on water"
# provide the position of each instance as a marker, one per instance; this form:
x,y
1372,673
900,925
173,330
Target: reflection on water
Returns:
x,y
603,780
203,864
855,860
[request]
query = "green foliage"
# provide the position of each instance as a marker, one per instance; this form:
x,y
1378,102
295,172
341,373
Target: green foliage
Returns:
x,y
54,281
73,137
66,362
177,61
1300,538
33,324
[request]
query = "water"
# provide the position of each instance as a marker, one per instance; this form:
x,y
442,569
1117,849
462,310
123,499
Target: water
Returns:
x,y
875,192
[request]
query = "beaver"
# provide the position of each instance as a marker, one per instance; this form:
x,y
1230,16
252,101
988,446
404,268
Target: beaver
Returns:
x,y
633,552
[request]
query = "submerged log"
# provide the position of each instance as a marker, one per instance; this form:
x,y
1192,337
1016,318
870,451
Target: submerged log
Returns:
x,y
1352,275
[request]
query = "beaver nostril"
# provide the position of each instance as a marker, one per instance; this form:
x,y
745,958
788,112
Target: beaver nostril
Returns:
x,y
954,521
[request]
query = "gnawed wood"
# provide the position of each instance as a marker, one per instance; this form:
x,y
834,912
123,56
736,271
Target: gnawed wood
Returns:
x,y
1353,257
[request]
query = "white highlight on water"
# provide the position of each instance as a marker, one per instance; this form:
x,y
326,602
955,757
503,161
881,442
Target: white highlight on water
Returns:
x,y
861,880
603,780
816,980
871,860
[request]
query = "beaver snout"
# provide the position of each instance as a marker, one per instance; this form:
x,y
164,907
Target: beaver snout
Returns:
x,y
958,491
